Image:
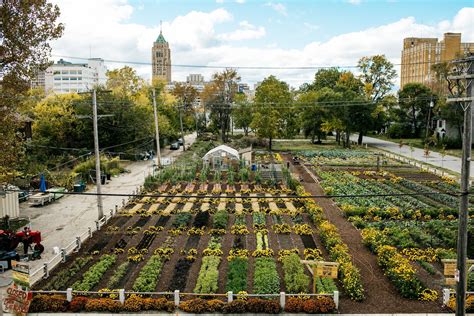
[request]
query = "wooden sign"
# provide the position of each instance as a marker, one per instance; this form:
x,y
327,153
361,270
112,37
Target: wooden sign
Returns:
x,y
450,269
21,273
327,269
17,300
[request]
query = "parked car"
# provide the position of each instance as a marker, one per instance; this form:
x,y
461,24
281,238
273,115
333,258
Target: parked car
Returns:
x,y
180,142
174,146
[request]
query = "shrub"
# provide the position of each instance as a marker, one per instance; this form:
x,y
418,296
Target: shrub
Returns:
x,y
215,306
182,220
319,305
103,305
399,130
196,306
162,304
296,280
235,307
294,305
261,306
133,304
266,279
237,275
78,304
48,303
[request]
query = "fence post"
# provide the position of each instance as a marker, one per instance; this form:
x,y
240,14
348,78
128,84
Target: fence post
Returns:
x,y
78,243
122,296
69,294
89,229
123,202
446,295
282,300
111,213
176,297
97,225
116,208
230,297
336,299
45,270
63,254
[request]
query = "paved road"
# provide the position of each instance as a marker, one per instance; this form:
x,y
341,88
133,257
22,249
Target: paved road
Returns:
x,y
63,220
448,162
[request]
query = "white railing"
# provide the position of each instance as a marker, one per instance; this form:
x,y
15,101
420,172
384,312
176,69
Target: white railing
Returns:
x,y
447,295
43,271
177,295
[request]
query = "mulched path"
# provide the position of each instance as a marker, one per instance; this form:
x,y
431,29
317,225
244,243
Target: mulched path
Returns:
x,y
381,295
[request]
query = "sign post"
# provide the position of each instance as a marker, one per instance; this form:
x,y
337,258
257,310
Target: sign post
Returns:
x,y
322,269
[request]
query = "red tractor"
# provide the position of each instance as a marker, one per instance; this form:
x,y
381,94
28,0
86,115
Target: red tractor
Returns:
x,y
9,241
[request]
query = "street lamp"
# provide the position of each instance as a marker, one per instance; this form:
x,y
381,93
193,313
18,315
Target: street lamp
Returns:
x,y
429,116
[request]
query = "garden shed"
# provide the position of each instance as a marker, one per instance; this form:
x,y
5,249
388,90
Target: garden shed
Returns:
x,y
221,157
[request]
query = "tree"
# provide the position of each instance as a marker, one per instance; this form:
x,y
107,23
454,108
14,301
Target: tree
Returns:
x,y
414,100
124,81
242,113
218,96
313,115
377,74
272,103
28,28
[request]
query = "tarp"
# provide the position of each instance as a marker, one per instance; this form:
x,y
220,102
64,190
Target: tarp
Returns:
x,y
42,183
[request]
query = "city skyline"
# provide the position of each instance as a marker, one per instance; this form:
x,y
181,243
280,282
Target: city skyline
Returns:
x,y
229,33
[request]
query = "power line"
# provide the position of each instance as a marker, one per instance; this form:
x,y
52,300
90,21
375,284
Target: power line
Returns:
x,y
197,196
236,67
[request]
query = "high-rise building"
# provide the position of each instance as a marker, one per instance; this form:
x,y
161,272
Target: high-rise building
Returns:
x,y
420,54
161,59
66,77
195,79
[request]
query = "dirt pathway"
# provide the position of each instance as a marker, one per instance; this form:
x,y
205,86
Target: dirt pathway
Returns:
x,y
381,295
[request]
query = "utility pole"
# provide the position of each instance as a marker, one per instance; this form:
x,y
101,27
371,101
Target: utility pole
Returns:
x,y
98,178
466,104
157,131
181,123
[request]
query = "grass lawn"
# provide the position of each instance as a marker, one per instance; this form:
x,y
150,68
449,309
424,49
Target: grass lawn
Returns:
x,y
418,143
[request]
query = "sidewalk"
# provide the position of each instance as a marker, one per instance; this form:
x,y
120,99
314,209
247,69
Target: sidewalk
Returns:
x,y
447,162
61,221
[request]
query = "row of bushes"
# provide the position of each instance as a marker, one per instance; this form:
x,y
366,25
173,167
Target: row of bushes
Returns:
x,y
56,303
338,250
296,280
397,267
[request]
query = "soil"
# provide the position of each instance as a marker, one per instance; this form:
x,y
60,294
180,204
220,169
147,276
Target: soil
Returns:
x,y
380,296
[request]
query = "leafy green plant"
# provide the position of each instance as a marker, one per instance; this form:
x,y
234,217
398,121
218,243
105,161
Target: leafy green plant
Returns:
x,y
220,219
236,275
266,279
208,275
60,280
148,276
296,280
93,276
118,275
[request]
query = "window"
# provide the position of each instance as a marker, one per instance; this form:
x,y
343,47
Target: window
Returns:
x,y
79,72
73,72
159,54
66,78
65,72
57,78
73,78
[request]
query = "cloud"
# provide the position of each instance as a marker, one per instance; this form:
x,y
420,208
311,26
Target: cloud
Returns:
x,y
219,1
246,32
354,2
104,27
278,7
240,1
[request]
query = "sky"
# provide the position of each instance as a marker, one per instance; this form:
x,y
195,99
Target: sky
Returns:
x,y
252,33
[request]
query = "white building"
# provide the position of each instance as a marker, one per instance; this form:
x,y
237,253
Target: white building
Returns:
x,y
195,79
66,77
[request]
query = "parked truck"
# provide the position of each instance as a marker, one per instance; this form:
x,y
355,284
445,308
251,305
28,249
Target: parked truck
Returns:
x,y
42,198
